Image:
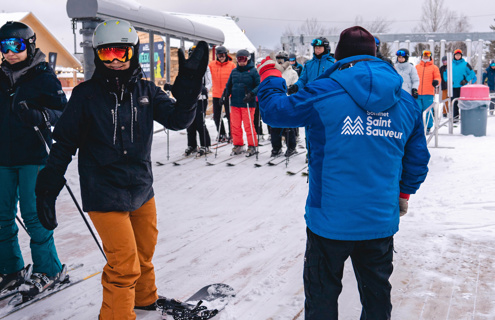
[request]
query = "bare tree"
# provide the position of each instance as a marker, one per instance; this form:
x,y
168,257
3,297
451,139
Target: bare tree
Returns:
x,y
379,25
436,17
312,27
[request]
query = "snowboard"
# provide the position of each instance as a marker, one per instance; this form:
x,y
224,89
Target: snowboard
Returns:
x,y
206,303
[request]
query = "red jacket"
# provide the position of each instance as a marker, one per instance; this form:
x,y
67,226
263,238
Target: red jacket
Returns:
x,y
427,72
220,72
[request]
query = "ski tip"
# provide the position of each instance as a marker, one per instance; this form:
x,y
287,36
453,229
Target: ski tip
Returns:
x,y
176,164
230,164
158,163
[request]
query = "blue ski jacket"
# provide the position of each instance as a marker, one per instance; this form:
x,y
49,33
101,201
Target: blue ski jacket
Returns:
x,y
489,77
461,70
314,68
366,144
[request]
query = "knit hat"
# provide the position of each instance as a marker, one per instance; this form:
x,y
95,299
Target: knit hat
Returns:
x,y
355,41
444,58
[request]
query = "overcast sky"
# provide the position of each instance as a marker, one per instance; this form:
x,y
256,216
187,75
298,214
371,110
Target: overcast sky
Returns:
x,y
265,21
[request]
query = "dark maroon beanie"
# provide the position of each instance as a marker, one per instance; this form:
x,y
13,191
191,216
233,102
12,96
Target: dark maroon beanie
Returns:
x,y
355,41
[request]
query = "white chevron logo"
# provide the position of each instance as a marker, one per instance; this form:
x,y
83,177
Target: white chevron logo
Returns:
x,y
353,127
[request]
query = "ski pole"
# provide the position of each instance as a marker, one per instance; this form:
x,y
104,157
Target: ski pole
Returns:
x,y
219,127
251,123
22,224
288,144
40,135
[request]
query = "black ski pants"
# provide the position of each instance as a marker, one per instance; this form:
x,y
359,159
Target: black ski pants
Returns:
x,y
456,93
199,126
324,268
217,113
257,120
276,138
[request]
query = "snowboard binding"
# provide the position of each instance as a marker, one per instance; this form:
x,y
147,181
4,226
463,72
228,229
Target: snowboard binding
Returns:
x,y
184,311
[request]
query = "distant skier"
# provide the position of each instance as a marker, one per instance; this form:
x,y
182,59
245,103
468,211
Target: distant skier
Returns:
x,y
443,86
25,80
408,73
220,69
294,64
109,118
242,87
462,74
489,79
367,154
429,79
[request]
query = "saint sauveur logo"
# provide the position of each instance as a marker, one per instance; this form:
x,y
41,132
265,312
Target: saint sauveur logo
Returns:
x,y
353,127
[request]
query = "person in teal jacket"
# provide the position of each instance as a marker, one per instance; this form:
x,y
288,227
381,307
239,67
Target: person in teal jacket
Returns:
x,y
367,154
322,61
489,79
462,73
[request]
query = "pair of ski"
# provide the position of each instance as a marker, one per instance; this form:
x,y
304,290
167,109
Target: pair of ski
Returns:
x,y
303,173
20,301
230,162
274,161
188,158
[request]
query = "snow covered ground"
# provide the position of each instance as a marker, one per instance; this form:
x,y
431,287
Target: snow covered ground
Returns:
x,y
244,226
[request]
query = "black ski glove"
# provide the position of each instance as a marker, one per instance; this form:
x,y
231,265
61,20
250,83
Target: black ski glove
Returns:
x,y
292,89
48,186
434,83
463,82
189,80
414,93
167,87
248,97
224,97
204,91
30,115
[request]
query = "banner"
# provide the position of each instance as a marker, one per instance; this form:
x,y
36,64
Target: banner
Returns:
x,y
144,59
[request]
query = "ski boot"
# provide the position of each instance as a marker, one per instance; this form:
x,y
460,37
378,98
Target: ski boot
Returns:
x,y
251,151
40,282
190,150
290,152
237,150
11,281
203,151
276,153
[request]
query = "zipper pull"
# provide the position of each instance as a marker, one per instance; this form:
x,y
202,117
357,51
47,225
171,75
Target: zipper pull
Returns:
x,y
122,94
113,116
135,114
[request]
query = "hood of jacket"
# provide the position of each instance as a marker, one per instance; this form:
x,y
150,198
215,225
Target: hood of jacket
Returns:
x,y
373,84
15,74
248,66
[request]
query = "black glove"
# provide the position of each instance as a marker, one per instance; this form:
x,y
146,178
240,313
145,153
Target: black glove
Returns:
x,y
463,82
434,83
29,114
292,89
224,97
48,186
248,97
189,80
167,87
414,93
204,91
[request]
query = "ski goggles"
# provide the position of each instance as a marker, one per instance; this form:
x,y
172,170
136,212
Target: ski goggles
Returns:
x,y
122,54
401,53
242,59
292,59
458,51
492,64
317,43
15,45
427,53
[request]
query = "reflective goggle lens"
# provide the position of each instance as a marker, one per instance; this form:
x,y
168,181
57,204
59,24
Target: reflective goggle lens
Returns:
x,y
427,53
316,42
458,51
377,42
292,59
122,54
492,64
15,45
401,53
242,59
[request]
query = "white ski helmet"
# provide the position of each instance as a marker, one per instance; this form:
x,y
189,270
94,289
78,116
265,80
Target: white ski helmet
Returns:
x,y
114,32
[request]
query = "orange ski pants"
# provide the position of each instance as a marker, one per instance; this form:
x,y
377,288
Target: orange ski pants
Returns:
x,y
240,116
128,279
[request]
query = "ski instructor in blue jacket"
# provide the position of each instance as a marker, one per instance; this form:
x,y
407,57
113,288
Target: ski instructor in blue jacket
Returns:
x,y
367,154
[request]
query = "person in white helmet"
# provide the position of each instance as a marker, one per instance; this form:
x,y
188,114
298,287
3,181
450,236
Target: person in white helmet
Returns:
x,y
109,118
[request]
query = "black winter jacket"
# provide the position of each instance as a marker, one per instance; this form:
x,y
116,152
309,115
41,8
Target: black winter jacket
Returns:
x,y
241,81
40,88
113,132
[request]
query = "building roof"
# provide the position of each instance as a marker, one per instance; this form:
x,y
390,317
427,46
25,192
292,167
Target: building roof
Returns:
x,y
235,38
45,40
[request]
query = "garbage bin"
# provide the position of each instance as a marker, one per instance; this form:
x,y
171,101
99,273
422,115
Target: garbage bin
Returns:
x,y
473,105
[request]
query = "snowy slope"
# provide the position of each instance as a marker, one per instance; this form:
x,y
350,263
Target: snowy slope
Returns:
x,y
244,226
